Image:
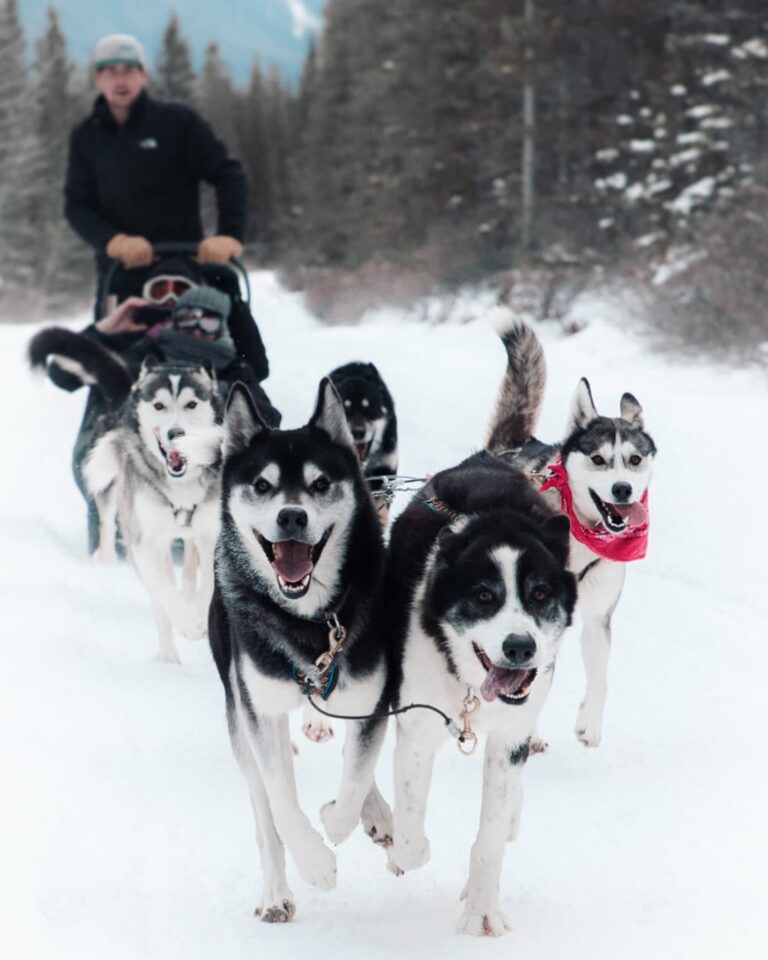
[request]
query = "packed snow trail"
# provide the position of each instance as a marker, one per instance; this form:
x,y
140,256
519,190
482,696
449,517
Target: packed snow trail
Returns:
x,y
127,828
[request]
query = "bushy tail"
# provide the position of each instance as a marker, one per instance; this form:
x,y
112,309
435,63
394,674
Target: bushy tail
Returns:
x,y
58,350
522,389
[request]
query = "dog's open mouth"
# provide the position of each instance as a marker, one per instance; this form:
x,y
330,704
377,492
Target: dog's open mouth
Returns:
x,y
362,448
511,686
618,517
175,463
293,562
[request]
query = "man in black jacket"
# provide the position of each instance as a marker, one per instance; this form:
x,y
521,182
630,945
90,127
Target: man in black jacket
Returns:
x,y
134,171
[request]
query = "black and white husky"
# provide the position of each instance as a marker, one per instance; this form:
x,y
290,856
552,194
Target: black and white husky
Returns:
x,y
299,565
153,471
598,476
479,596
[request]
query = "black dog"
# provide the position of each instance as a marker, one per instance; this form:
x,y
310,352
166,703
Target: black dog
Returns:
x,y
370,413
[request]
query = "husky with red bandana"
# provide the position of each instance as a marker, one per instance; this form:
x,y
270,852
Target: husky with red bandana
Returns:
x,y
598,477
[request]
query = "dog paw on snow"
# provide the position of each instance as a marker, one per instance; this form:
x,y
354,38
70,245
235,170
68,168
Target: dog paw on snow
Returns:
x,y
483,923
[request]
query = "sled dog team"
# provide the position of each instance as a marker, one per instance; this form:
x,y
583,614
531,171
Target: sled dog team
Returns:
x,y
464,611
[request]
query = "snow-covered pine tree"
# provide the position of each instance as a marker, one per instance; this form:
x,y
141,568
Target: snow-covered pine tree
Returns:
x,y
253,139
19,162
65,269
217,101
13,82
174,77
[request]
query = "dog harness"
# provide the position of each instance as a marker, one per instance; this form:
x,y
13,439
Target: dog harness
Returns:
x,y
632,544
324,675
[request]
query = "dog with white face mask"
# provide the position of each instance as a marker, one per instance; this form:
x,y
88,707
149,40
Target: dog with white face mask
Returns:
x,y
294,616
478,596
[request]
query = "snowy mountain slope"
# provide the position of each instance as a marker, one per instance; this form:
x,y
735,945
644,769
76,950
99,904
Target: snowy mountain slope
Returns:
x,y
127,827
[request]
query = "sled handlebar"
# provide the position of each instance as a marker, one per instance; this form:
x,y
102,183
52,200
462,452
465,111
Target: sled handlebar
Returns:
x,y
186,249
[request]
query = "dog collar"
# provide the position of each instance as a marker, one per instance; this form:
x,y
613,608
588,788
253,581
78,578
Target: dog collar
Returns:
x,y
632,544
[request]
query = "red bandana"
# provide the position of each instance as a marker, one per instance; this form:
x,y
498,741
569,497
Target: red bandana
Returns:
x,y
632,544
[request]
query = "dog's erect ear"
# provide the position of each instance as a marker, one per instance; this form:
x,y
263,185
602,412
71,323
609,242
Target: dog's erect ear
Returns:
x,y
556,532
583,409
631,410
241,420
329,414
149,363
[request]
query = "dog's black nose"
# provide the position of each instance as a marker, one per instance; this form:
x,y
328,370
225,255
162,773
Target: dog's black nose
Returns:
x,y
175,432
621,492
519,649
358,433
292,519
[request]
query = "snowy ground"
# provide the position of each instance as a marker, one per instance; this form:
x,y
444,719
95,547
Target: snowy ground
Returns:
x,y
126,827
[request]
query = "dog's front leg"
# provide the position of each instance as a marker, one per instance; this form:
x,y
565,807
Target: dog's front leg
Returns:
x,y
502,798
270,742
277,904
189,570
598,597
361,751
201,588
154,568
417,740
106,505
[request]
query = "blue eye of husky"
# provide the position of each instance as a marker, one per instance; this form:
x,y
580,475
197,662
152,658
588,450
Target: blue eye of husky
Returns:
x,y
262,486
598,460
321,485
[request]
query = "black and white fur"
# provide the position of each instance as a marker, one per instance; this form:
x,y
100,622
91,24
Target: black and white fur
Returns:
x,y
300,542
370,413
479,597
154,471
609,462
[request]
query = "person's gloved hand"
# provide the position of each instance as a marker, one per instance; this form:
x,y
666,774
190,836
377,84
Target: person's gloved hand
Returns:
x,y
130,251
218,249
123,318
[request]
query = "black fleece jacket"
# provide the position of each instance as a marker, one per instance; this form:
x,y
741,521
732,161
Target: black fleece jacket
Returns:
x,y
142,177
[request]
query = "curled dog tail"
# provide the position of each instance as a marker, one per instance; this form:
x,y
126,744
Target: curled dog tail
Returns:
x,y
522,389
58,350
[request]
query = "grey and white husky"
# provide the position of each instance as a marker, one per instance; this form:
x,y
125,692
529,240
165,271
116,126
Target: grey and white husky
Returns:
x,y
598,475
156,474
478,598
153,471
299,565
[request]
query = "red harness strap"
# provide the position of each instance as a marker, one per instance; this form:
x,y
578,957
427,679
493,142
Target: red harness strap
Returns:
x,y
632,544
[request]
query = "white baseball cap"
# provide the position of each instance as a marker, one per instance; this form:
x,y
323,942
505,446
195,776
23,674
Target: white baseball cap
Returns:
x,y
118,48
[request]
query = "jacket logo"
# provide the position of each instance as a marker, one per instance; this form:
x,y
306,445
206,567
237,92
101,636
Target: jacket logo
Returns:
x,y
149,144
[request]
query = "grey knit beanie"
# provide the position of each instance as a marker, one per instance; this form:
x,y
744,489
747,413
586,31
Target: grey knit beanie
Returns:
x,y
206,298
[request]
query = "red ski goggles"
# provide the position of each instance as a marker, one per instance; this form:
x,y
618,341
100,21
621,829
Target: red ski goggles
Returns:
x,y
163,288
196,318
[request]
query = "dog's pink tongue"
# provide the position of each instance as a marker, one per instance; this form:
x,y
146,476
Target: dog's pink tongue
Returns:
x,y
498,680
175,459
292,560
634,513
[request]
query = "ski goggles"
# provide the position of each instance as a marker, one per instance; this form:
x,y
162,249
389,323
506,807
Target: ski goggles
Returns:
x,y
162,288
196,318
